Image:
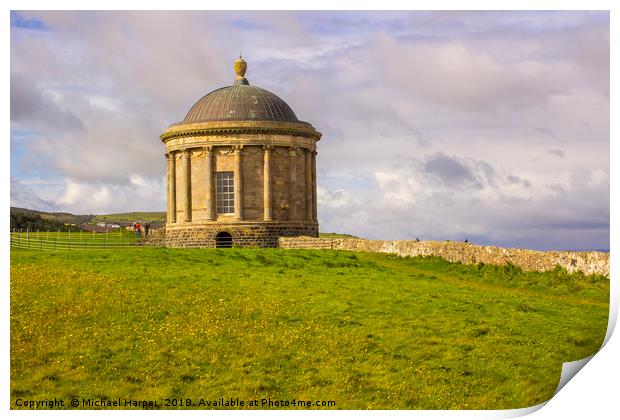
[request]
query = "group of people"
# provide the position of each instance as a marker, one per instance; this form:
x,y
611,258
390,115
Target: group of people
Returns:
x,y
138,227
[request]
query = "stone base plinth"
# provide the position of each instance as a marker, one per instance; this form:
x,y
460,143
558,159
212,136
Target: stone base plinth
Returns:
x,y
257,234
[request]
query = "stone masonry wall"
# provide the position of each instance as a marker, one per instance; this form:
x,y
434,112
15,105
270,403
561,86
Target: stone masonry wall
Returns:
x,y
263,235
155,238
586,262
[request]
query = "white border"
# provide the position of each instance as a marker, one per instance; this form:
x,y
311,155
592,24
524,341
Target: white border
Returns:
x,y
593,393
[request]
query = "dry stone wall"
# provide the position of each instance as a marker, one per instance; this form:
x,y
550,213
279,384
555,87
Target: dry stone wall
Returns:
x,y
586,262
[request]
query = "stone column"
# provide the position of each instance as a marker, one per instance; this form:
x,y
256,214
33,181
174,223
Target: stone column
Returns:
x,y
209,183
309,205
238,184
268,215
186,162
172,187
314,204
292,181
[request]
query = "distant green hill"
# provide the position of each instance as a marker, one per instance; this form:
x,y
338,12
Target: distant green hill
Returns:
x,y
151,216
61,217
22,218
65,218
33,219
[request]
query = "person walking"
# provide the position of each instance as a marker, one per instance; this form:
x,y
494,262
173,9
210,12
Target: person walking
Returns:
x,y
147,225
137,229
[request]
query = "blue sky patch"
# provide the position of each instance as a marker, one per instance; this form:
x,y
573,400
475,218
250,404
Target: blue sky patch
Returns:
x,y
19,21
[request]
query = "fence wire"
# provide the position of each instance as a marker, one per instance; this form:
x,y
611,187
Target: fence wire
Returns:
x,y
71,241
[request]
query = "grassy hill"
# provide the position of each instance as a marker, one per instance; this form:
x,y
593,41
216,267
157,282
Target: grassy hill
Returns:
x,y
61,217
363,330
33,219
152,216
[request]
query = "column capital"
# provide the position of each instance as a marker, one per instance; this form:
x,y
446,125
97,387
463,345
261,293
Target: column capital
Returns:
x,y
292,151
208,150
186,153
170,155
237,149
268,147
313,152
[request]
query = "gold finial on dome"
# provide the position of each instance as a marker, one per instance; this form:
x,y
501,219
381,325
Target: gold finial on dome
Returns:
x,y
240,68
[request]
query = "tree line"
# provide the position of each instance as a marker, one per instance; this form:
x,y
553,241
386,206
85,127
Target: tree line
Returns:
x,y
33,221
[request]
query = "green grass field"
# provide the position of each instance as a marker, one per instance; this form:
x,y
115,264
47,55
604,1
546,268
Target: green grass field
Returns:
x,y
363,330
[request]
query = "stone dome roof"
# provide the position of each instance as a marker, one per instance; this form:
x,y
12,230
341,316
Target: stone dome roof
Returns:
x,y
240,102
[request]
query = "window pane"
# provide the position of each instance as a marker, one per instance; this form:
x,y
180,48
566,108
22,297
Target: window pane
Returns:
x,y
225,192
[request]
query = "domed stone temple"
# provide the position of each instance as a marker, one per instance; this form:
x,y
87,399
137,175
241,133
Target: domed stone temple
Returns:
x,y
241,170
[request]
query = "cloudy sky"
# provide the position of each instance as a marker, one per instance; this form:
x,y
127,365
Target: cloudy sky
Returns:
x,y
490,126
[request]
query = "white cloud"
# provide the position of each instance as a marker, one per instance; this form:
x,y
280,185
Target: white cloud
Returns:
x,y
98,198
598,177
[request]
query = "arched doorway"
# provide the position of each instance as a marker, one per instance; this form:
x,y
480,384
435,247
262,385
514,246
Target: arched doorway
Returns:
x,y
223,240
